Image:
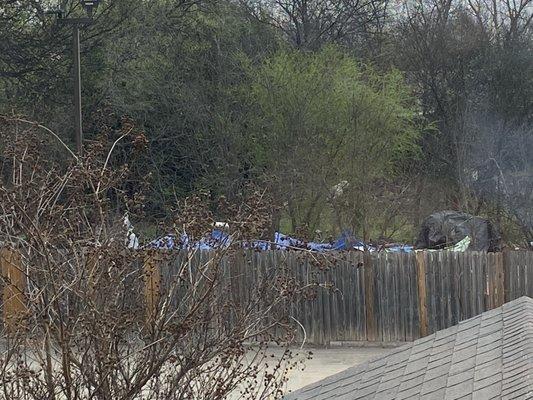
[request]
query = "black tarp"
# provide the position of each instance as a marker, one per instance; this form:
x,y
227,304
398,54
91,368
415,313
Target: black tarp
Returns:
x,y
446,228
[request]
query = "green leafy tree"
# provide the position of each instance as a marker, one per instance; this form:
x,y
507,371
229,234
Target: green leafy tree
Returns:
x,y
330,130
181,82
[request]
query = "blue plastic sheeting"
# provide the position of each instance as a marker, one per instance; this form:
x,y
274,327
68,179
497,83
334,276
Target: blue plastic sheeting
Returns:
x,y
347,241
403,248
284,242
216,239
260,245
220,239
165,243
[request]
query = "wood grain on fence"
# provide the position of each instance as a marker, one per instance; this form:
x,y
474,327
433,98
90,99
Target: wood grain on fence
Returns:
x,y
369,297
422,295
13,299
396,297
152,287
390,297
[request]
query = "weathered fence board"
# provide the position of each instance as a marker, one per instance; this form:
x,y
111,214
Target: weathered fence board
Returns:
x,y
360,297
400,297
14,286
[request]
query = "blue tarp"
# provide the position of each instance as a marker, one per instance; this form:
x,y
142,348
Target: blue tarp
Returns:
x,y
218,239
164,243
401,248
345,242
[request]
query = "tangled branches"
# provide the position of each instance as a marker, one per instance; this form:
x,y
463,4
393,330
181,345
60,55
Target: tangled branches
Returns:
x,y
104,322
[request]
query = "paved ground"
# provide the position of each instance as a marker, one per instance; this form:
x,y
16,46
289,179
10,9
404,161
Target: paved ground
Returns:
x,y
485,357
326,362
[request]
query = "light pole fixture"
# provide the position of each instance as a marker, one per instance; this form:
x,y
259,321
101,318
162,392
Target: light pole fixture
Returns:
x,y
89,6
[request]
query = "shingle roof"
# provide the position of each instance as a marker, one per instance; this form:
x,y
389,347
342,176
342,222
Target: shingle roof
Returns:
x,y
486,357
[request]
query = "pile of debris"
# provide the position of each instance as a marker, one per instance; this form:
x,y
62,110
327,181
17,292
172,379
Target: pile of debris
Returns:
x,y
450,230
447,229
221,239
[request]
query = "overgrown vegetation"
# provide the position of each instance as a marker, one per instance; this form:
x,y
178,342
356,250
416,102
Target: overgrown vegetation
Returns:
x,y
306,116
98,321
400,105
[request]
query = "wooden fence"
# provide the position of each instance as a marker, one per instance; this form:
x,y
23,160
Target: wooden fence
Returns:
x,y
393,297
389,297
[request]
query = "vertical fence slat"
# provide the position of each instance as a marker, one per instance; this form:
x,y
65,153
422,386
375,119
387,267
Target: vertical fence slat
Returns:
x,y
378,309
508,276
381,303
328,298
422,296
528,272
404,296
388,309
336,318
431,288
489,287
472,283
440,295
445,294
480,283
361,307
13,299
395,289
347,277
152,287
369,297
414,304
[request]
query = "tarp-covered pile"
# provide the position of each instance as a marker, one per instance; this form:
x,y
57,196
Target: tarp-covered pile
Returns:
x,y
444,229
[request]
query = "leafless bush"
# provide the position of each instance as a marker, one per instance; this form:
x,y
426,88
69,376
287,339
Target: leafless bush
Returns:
x,y
104,322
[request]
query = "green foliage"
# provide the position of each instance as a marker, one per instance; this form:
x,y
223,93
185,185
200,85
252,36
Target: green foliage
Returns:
x,y
324,119
230,92
181,84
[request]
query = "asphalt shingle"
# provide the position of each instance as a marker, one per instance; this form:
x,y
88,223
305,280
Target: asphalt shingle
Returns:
x,y
486,357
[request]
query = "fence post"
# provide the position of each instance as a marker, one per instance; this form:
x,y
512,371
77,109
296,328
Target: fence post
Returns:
x,y
369,296
14,305
422,298
505,283
152,286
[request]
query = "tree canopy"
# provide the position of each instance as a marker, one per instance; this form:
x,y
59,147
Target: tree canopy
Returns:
x,y
362,115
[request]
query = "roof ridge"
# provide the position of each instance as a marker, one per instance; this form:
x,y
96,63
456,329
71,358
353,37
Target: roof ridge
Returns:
x,y
521,299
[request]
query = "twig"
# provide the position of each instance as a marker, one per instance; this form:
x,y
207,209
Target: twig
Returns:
x,y
303,329
16,119
108,157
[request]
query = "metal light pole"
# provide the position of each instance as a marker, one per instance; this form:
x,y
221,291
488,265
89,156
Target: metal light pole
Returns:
x,y
89,6
77,90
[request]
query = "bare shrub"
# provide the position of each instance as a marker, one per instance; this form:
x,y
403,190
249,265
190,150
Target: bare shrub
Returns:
x,y
105,322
